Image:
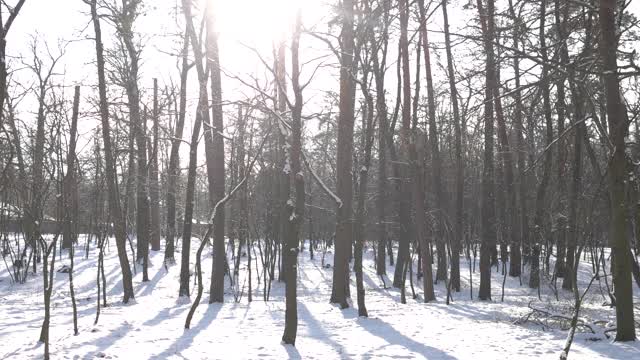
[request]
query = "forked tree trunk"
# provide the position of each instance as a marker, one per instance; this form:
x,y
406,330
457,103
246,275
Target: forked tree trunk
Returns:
x,y
138,125
202,112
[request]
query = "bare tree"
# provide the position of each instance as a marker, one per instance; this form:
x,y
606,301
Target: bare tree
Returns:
x,y
154,184
174,157
5,26
344,216
110,171
488,192
214,151
459,166
618,129
296,205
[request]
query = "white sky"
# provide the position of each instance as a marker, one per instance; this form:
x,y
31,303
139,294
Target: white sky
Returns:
x,y
254,22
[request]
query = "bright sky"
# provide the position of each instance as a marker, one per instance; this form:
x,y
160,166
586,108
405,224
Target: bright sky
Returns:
x,y
240,22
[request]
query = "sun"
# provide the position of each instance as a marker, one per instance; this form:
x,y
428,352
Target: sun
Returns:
x,y
256,21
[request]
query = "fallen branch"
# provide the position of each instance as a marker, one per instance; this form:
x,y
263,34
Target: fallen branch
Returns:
x,y
324,187
207,235
549,320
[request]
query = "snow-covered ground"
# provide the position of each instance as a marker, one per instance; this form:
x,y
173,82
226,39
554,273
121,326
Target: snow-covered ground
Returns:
x,y
153,326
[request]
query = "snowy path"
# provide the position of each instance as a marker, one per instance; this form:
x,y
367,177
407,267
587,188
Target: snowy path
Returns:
x,y
153,326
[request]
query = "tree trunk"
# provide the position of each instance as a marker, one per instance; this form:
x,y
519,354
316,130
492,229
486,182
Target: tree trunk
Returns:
x,y
379,68
458,229
283,178
117,217
296,207
138,125
538,233
202,113
561,216
214,151
154,184
488,234
69,236
344,218
436,162
521,227
618,130
579,136
174,157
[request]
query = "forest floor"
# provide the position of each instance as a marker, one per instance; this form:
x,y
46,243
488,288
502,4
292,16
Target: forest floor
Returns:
x,y
153,325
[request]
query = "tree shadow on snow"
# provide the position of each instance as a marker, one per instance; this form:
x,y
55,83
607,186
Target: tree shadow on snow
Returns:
x,y
103,343
164,314
390,291
147,287
315,328
292,352
186,339
381,329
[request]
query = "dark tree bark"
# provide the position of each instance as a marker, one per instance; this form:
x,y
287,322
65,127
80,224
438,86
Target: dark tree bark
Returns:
x,y
296,207
244,234
283,182
189,202
458,230
69,235
507,194
576,185
70,197
48,276
4,32
618,130
368,131
174,157
110,171
154,184
488,233
214,152
344,216
538,232
210,230
434,147
561,216
125,19
130,199
201,113
515,265
579,137
403,188
34,215
379,70
142,198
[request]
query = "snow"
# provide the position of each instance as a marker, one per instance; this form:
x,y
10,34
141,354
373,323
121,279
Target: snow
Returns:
x,y
153,326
